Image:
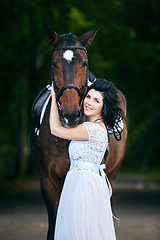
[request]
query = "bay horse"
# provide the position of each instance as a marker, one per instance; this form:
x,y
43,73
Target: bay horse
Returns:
x,y
70,77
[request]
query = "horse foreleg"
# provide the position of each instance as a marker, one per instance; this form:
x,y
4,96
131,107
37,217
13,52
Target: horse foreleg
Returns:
x,y
49,193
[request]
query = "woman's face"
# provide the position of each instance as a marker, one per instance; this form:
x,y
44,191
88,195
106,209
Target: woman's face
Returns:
x,y
93,104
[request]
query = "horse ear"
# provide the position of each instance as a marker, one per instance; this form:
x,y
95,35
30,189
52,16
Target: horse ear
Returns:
x,y
87,38
50,35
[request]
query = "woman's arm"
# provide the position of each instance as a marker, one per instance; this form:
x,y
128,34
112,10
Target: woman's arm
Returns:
x,y
76,133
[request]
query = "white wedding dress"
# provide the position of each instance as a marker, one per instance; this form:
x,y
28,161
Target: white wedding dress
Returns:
x,y
84,211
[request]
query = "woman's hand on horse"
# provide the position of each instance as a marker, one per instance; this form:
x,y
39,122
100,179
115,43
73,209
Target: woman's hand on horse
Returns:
x,y
53,92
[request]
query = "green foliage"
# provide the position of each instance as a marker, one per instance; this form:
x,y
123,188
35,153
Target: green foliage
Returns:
x,y
126,50
77,20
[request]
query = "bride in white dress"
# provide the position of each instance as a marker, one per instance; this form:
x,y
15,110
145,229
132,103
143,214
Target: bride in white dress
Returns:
x,y
84,211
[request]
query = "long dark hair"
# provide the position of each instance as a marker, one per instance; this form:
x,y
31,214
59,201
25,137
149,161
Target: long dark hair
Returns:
x,y
111,113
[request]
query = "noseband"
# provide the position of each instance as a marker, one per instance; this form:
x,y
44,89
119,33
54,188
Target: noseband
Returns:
x,y
70,85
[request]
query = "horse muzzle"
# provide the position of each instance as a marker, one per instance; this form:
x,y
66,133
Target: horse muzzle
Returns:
x,y
70,119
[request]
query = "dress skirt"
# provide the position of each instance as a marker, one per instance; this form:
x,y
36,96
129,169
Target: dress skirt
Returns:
x,y
84,211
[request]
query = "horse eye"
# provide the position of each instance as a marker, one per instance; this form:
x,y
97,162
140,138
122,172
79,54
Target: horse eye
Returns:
x,y
54,65
84,64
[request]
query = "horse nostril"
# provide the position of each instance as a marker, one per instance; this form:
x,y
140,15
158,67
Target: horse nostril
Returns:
x,y
70,118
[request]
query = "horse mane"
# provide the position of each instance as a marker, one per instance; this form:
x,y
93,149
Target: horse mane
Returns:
x,y
68,39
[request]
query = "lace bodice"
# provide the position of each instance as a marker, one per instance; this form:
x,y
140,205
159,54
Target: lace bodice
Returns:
x,y
90,151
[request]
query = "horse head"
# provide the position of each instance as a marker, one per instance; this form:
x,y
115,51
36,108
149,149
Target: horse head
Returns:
x,y
69,72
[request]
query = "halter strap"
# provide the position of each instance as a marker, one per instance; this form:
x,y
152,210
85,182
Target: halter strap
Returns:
x,y
70,85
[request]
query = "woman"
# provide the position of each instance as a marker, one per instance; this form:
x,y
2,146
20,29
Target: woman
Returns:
x,y
84,211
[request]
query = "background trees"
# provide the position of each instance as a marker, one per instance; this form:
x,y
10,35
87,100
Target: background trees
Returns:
x,y
126,50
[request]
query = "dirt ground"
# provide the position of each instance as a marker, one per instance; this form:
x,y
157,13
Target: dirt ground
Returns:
x,y
136,202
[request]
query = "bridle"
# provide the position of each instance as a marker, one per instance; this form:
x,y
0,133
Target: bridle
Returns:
x,y
70,85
